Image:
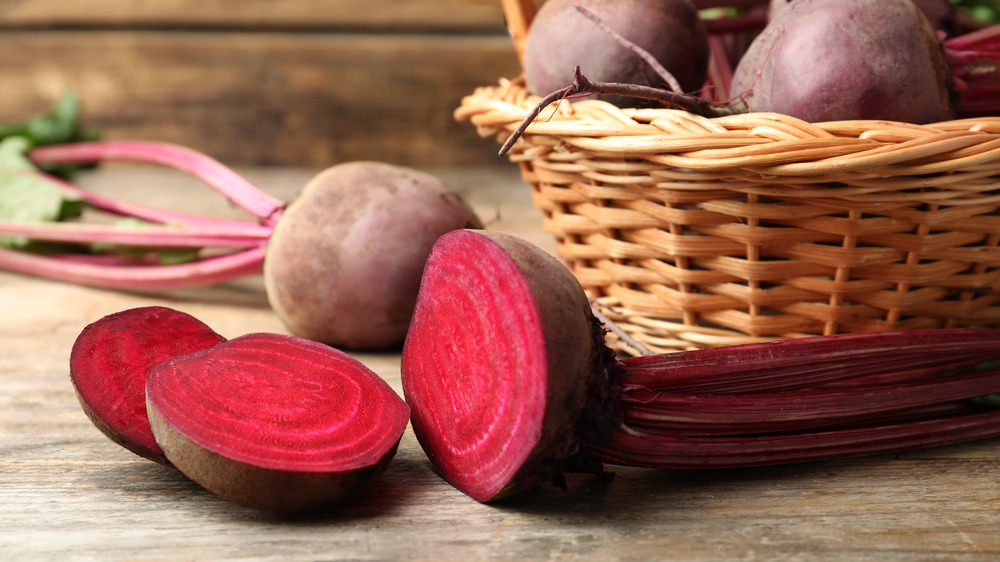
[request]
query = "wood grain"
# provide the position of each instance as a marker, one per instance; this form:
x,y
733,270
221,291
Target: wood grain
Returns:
x,y
303,99
461,15
67,492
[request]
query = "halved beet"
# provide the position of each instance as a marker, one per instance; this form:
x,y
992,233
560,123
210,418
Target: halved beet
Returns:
x,y
275,422
502,366
109,362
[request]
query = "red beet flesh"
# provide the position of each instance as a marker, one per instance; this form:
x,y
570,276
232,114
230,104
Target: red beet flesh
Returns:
x,y
275,422
109,362
498,364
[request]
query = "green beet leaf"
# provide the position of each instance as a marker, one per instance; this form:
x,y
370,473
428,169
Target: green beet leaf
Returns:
x,y
26,194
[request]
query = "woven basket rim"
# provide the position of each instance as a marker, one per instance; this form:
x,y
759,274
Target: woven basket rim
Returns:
x,y
771,143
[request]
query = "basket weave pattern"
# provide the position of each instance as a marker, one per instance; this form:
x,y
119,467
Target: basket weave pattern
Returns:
x,y
697,232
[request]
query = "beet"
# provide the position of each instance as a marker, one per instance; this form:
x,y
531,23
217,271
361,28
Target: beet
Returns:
x,y
109,362
560,39
275,422
829,60
942,14
510,383
344,262
538,372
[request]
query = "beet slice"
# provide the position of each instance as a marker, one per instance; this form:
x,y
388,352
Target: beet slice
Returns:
x,y
109,362
275,422
504,368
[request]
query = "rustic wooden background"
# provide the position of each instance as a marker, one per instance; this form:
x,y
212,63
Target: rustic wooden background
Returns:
x,y
264,82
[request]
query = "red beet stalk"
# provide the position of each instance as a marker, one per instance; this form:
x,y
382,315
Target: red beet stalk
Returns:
x,y
225,249
678,451
785,402
510,383
974,60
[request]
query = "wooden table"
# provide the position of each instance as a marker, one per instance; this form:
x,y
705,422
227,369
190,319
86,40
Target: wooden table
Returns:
x,y
69,493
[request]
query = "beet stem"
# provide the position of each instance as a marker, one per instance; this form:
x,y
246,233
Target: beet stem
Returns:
x,y
799,363
225,236
584,86
170,229
985,39
125,209
806,399
215,174
632,447
204,271
649,59
759,413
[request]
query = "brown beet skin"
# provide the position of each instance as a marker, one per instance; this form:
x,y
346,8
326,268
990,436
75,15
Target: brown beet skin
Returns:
x,y
343,265
560,39
830,60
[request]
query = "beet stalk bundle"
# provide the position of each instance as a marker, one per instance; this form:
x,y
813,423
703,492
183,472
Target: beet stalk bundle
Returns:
x,y
510,383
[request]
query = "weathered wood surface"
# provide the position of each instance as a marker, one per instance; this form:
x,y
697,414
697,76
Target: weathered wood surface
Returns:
x,y
460,15
301,83
69,493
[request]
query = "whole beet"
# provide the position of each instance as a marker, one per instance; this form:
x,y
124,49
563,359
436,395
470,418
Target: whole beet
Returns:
x,y
942,14
344,264
828,60
561,38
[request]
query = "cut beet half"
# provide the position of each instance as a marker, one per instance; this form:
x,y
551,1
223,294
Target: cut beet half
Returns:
x,y
109,362
499,365
275,422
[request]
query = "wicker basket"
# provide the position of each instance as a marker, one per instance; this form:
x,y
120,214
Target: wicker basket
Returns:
x,y
696,232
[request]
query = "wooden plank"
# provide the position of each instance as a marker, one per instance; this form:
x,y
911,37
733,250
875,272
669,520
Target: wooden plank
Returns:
x,y
302,14
292,98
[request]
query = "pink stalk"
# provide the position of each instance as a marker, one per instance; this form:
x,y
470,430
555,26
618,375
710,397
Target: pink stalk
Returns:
x,y
802,363
985,39
125,209
769,412
243,241
720,68
204,271
225,236
805,399
974,60
637,448
220,177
